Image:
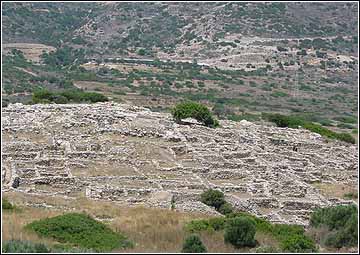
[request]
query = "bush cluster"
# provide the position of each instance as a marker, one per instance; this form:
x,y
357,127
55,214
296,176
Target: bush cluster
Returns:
x,y
216,199
194,110
193,244
295,121
240,232
342,221
291,238
81,230
67,96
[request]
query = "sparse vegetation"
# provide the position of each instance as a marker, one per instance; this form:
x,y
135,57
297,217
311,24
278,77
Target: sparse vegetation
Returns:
x,y
6,205
19,246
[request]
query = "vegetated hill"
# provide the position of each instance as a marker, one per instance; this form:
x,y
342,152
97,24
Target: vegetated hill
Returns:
x,y
163,27
241,58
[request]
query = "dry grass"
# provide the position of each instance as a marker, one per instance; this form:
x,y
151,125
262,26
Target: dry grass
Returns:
x,y
14,222
151,229
337,190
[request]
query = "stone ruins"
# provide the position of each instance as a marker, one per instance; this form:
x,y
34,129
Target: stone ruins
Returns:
x,y
130,155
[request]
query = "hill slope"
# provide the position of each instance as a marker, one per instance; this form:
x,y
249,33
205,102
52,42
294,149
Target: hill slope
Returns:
x,y
133,156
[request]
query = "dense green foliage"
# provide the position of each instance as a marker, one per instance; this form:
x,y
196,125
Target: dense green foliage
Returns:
x,y
193,244
212,224
240,232
298,243
81,230
295,121
342,221
225,208
6,205
214,198
67,96
194,110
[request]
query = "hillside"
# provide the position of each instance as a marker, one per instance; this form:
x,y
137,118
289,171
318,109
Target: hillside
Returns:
x,y
240,59
99,152
132,156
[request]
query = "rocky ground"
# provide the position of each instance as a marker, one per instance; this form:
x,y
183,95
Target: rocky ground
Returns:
x,y
133,156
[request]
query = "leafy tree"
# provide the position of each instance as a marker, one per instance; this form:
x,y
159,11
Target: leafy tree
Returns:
x,y
194,110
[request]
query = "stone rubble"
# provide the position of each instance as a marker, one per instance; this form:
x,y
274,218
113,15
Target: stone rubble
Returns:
x,y
130,155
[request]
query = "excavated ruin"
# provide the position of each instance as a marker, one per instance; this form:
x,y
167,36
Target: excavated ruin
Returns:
x,y
132,156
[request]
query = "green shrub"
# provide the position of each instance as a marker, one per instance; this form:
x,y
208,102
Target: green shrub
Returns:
x,y
70,95
283,231
79,229
194,110
213,198
193,244
296,121
345,137
342,221
346,119
350,195
240,232
285,121
279,94
217,223
6,205
262,225
19,246
225,208
197,226
60,100
290,237
298,243
334,217
212,224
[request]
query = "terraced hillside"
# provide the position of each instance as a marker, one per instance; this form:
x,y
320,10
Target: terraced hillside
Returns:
x,y
132,156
